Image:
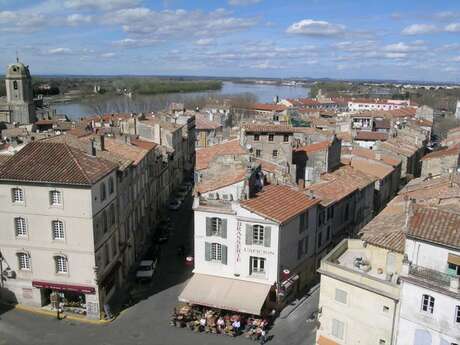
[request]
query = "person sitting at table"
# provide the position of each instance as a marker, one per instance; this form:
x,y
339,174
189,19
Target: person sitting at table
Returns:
x,y
202,324
220,324
236,326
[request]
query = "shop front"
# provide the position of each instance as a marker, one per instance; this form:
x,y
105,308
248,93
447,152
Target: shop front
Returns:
x,y
69,298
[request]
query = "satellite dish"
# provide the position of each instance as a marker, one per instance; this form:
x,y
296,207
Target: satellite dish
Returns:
x,y
248,146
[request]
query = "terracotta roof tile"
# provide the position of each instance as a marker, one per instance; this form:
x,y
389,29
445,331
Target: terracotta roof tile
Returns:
x,y
4,159
255,127
221,181
202,123
444,152
279,203
205,155
146,145
49,162
342,182
366,135
371,167
269,107
320,146
436,226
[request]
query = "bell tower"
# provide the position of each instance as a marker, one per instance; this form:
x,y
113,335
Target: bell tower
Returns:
x,y
19,93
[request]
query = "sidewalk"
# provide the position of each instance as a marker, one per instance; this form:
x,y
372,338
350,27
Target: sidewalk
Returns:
x,y
64,316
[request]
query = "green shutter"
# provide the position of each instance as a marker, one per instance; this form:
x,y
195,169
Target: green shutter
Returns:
x,y
207,251
267,236
249,236
224,255
223,230
208,226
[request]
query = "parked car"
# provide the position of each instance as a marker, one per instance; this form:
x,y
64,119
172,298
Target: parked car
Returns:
x,y
174,205
146,270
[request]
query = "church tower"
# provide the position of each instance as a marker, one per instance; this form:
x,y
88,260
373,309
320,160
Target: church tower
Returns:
x,y
19,94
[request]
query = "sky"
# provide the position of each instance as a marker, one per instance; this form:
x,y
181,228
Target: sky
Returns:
x,y
343,39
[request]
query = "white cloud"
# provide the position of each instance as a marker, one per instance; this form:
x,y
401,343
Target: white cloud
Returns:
x,y
182,23
454,27
59,51
204,41
243,2
77,19
136,42
456,59
402,47
108,55
264,65
11,21
447,15
419,29
395,55
311,27
105,5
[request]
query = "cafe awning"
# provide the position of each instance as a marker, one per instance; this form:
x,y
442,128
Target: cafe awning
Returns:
x,y
225,293
64,287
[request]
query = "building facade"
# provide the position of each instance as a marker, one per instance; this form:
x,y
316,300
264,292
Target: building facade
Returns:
x,y
61,228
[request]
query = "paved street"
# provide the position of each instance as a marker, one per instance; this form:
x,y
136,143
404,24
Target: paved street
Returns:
x,y
147,322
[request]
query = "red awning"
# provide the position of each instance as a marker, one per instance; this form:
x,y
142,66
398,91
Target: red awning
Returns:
x,y
64,287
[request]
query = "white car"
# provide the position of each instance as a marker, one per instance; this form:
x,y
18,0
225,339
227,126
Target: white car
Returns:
x,y
146,270
174,205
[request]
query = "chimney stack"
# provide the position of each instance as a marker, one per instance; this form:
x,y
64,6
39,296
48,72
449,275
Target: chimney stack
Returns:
x,y
301,184
99,142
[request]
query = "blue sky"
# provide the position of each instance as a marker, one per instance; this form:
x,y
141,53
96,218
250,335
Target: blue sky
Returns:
x,y
384,39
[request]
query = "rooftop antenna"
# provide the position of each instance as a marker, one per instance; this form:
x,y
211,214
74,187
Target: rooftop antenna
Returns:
x,y
17,56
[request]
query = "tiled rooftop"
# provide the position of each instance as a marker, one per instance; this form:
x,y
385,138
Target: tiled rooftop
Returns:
x,y
367,135
222,180
435,225
205,155
256,127
371,167
279,203
202,123
48,162
444,152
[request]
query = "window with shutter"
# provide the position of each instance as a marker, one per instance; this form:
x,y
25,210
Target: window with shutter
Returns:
x,y
267,236
20,227
337,328
258,234
249,235
224,254
341,296
23,261
207,251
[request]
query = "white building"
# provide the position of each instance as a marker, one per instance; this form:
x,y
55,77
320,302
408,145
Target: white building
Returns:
x,y
253,250
59,227
376,104
359,296
430,294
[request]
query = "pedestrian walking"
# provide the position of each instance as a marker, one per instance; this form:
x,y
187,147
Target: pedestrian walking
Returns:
x,y
263,336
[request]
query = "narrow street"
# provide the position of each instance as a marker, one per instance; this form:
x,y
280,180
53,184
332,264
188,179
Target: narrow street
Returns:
x,y
147,322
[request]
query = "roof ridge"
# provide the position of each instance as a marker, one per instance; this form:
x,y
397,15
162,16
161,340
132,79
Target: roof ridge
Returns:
x,y
69,149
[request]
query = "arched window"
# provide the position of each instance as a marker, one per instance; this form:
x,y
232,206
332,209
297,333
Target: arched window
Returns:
x,y
15,85
20,227
61,264
57,228
216,226
17,195
23,261
55,198
258,234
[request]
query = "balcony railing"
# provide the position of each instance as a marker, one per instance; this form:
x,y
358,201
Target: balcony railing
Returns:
x,y
436,277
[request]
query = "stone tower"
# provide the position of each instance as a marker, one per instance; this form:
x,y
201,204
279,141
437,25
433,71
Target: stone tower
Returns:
x,y
19,94
457,110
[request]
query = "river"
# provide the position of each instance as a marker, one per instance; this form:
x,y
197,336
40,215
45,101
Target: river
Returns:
x,y
263,92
